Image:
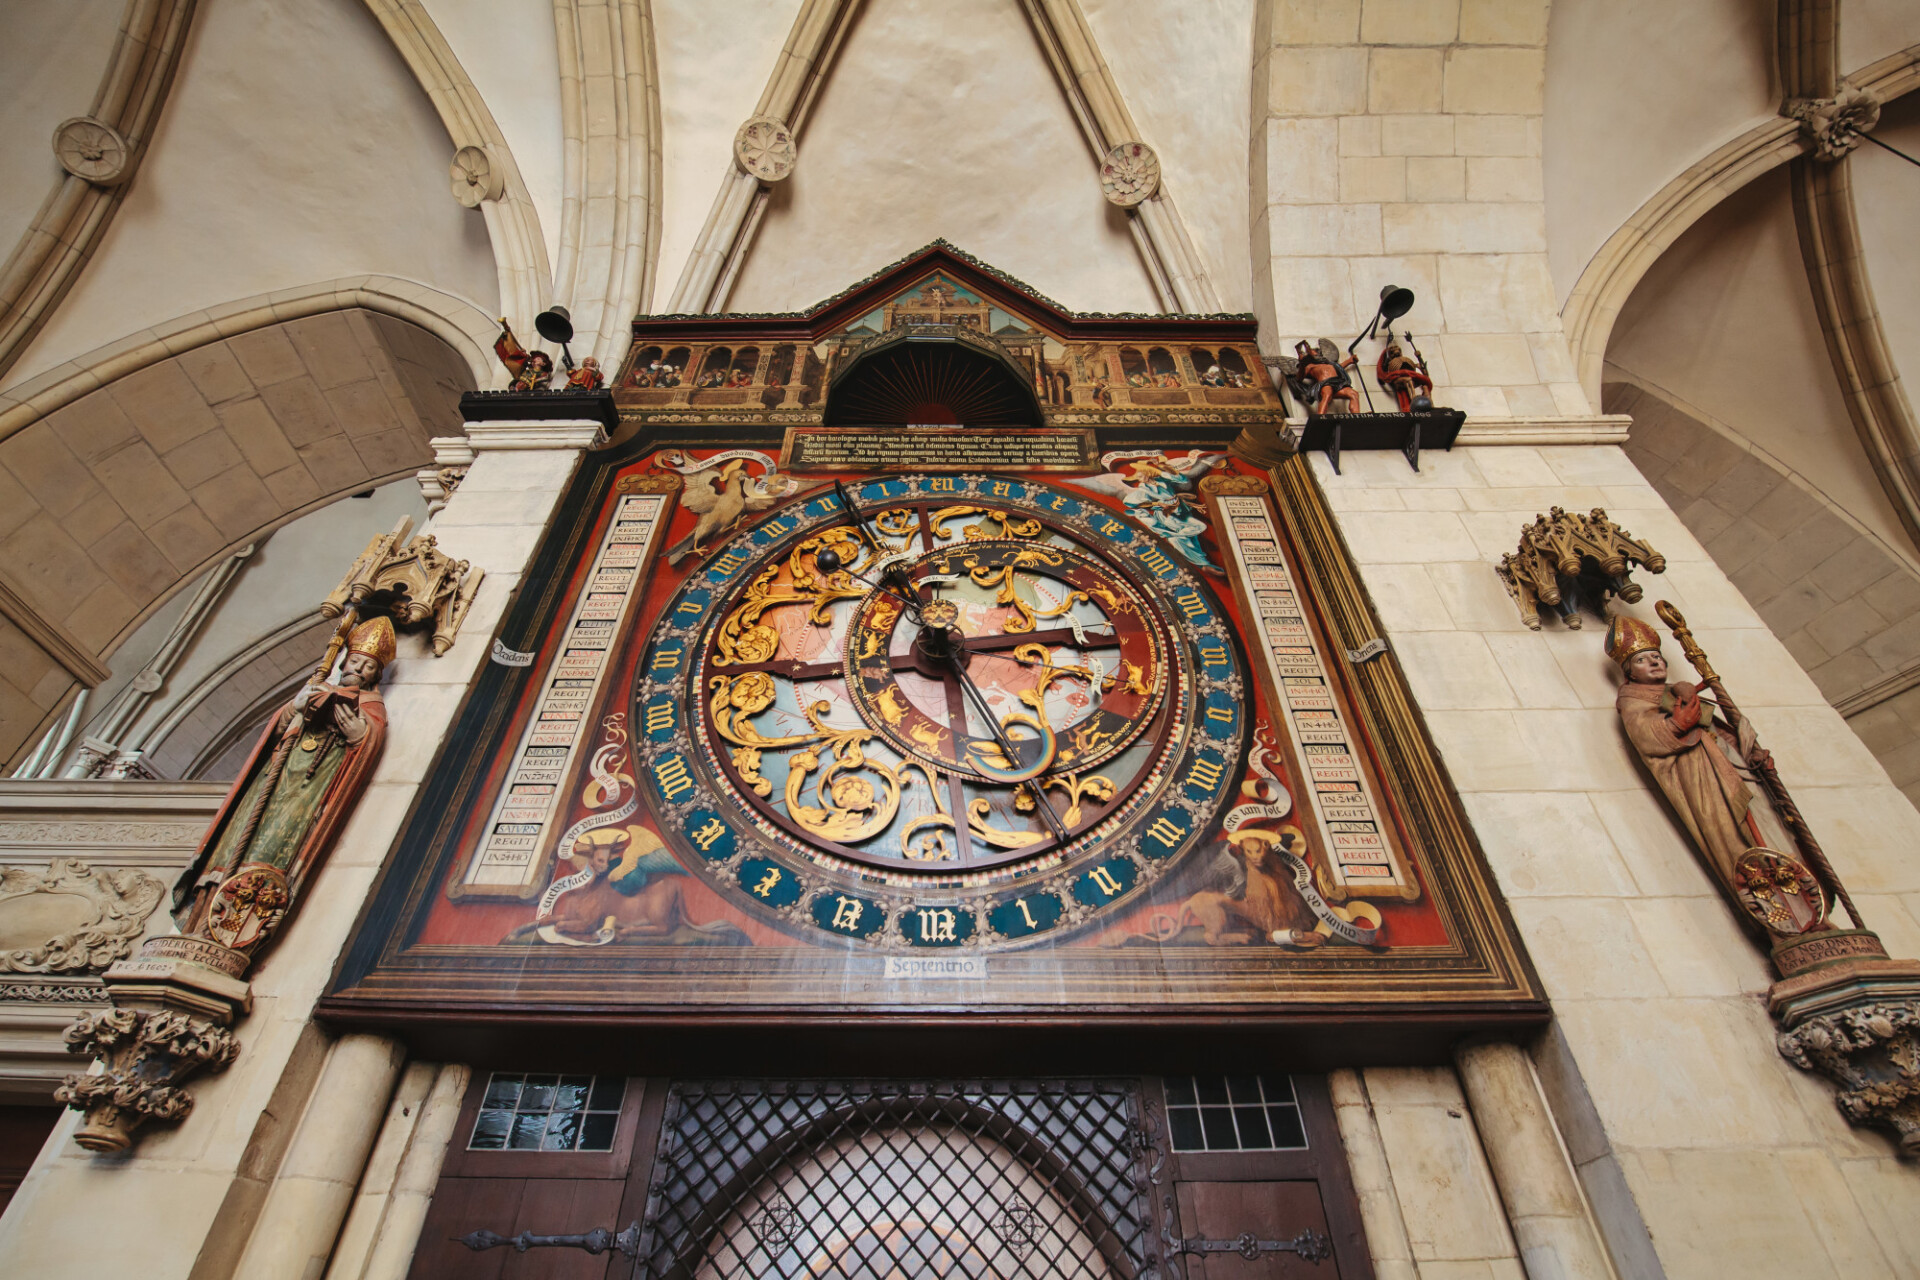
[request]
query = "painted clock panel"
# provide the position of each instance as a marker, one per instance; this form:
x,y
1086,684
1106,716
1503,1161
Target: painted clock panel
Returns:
x,y
918,706
784,735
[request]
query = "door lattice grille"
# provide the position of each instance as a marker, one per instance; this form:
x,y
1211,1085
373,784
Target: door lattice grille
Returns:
x,y
869,1180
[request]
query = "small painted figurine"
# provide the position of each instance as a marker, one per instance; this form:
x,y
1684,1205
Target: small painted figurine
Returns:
x,y
587,377
1327,379
1706,772
1405,378
531,370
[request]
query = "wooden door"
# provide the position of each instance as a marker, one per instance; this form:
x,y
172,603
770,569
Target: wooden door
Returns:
x,y
1256,1161
506,1172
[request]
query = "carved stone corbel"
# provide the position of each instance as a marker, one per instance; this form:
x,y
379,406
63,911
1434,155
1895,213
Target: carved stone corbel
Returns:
x,y
1871,1050
144,1054
1567,560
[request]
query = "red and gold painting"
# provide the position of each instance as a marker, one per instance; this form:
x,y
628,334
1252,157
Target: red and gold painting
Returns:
x,y
1074,728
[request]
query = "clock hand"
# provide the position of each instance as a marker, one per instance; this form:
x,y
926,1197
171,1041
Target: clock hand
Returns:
x,y
892,575
972,690
828,561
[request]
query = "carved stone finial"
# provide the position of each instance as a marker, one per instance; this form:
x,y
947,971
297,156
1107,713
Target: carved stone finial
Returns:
x,y
1566,560
1834,124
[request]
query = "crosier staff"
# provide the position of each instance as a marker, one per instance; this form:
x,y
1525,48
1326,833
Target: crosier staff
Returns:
x,y
1760,761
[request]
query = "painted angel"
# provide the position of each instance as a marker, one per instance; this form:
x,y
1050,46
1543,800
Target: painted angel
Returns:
x,y
1158,492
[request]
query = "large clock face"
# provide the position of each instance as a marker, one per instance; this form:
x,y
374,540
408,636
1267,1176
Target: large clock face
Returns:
x,y
964,710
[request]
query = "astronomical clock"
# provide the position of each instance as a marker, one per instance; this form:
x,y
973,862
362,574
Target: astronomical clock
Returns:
x,y
937,652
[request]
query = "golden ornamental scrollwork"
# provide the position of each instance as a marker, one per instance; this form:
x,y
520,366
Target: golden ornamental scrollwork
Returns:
x,y
1011,525
851,808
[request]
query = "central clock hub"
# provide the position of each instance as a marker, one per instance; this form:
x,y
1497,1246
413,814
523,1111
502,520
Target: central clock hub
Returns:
x,y
1048,640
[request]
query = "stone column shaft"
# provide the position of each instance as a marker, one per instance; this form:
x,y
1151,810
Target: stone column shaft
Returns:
x,y
383,1230
303,1212
1372,1181
1549,1218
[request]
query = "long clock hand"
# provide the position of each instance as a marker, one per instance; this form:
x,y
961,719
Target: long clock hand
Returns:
x,y
897,585
1006,745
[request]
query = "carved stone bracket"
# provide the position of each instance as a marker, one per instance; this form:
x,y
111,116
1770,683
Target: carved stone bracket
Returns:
x,y
1834,125
1567,560
1852,1014
144,1055
72,918
1872,1052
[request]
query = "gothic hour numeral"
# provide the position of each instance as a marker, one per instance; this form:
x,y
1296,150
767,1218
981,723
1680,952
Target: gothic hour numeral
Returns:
x,y
937,924
671,774
1158,563
1204,774
1165,832
659,717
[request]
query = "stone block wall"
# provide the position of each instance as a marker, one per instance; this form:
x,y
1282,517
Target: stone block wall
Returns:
x,y
1676,1107
1399,142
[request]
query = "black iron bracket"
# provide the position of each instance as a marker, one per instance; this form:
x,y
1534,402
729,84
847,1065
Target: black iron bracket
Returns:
x,y
1310,1245
596,1241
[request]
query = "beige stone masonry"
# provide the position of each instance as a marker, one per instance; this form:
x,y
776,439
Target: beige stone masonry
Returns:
x,y
196,1185
1398,142
1455,1227
323,1165
1688,1118
1544,1205
1372,1180
383,1229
